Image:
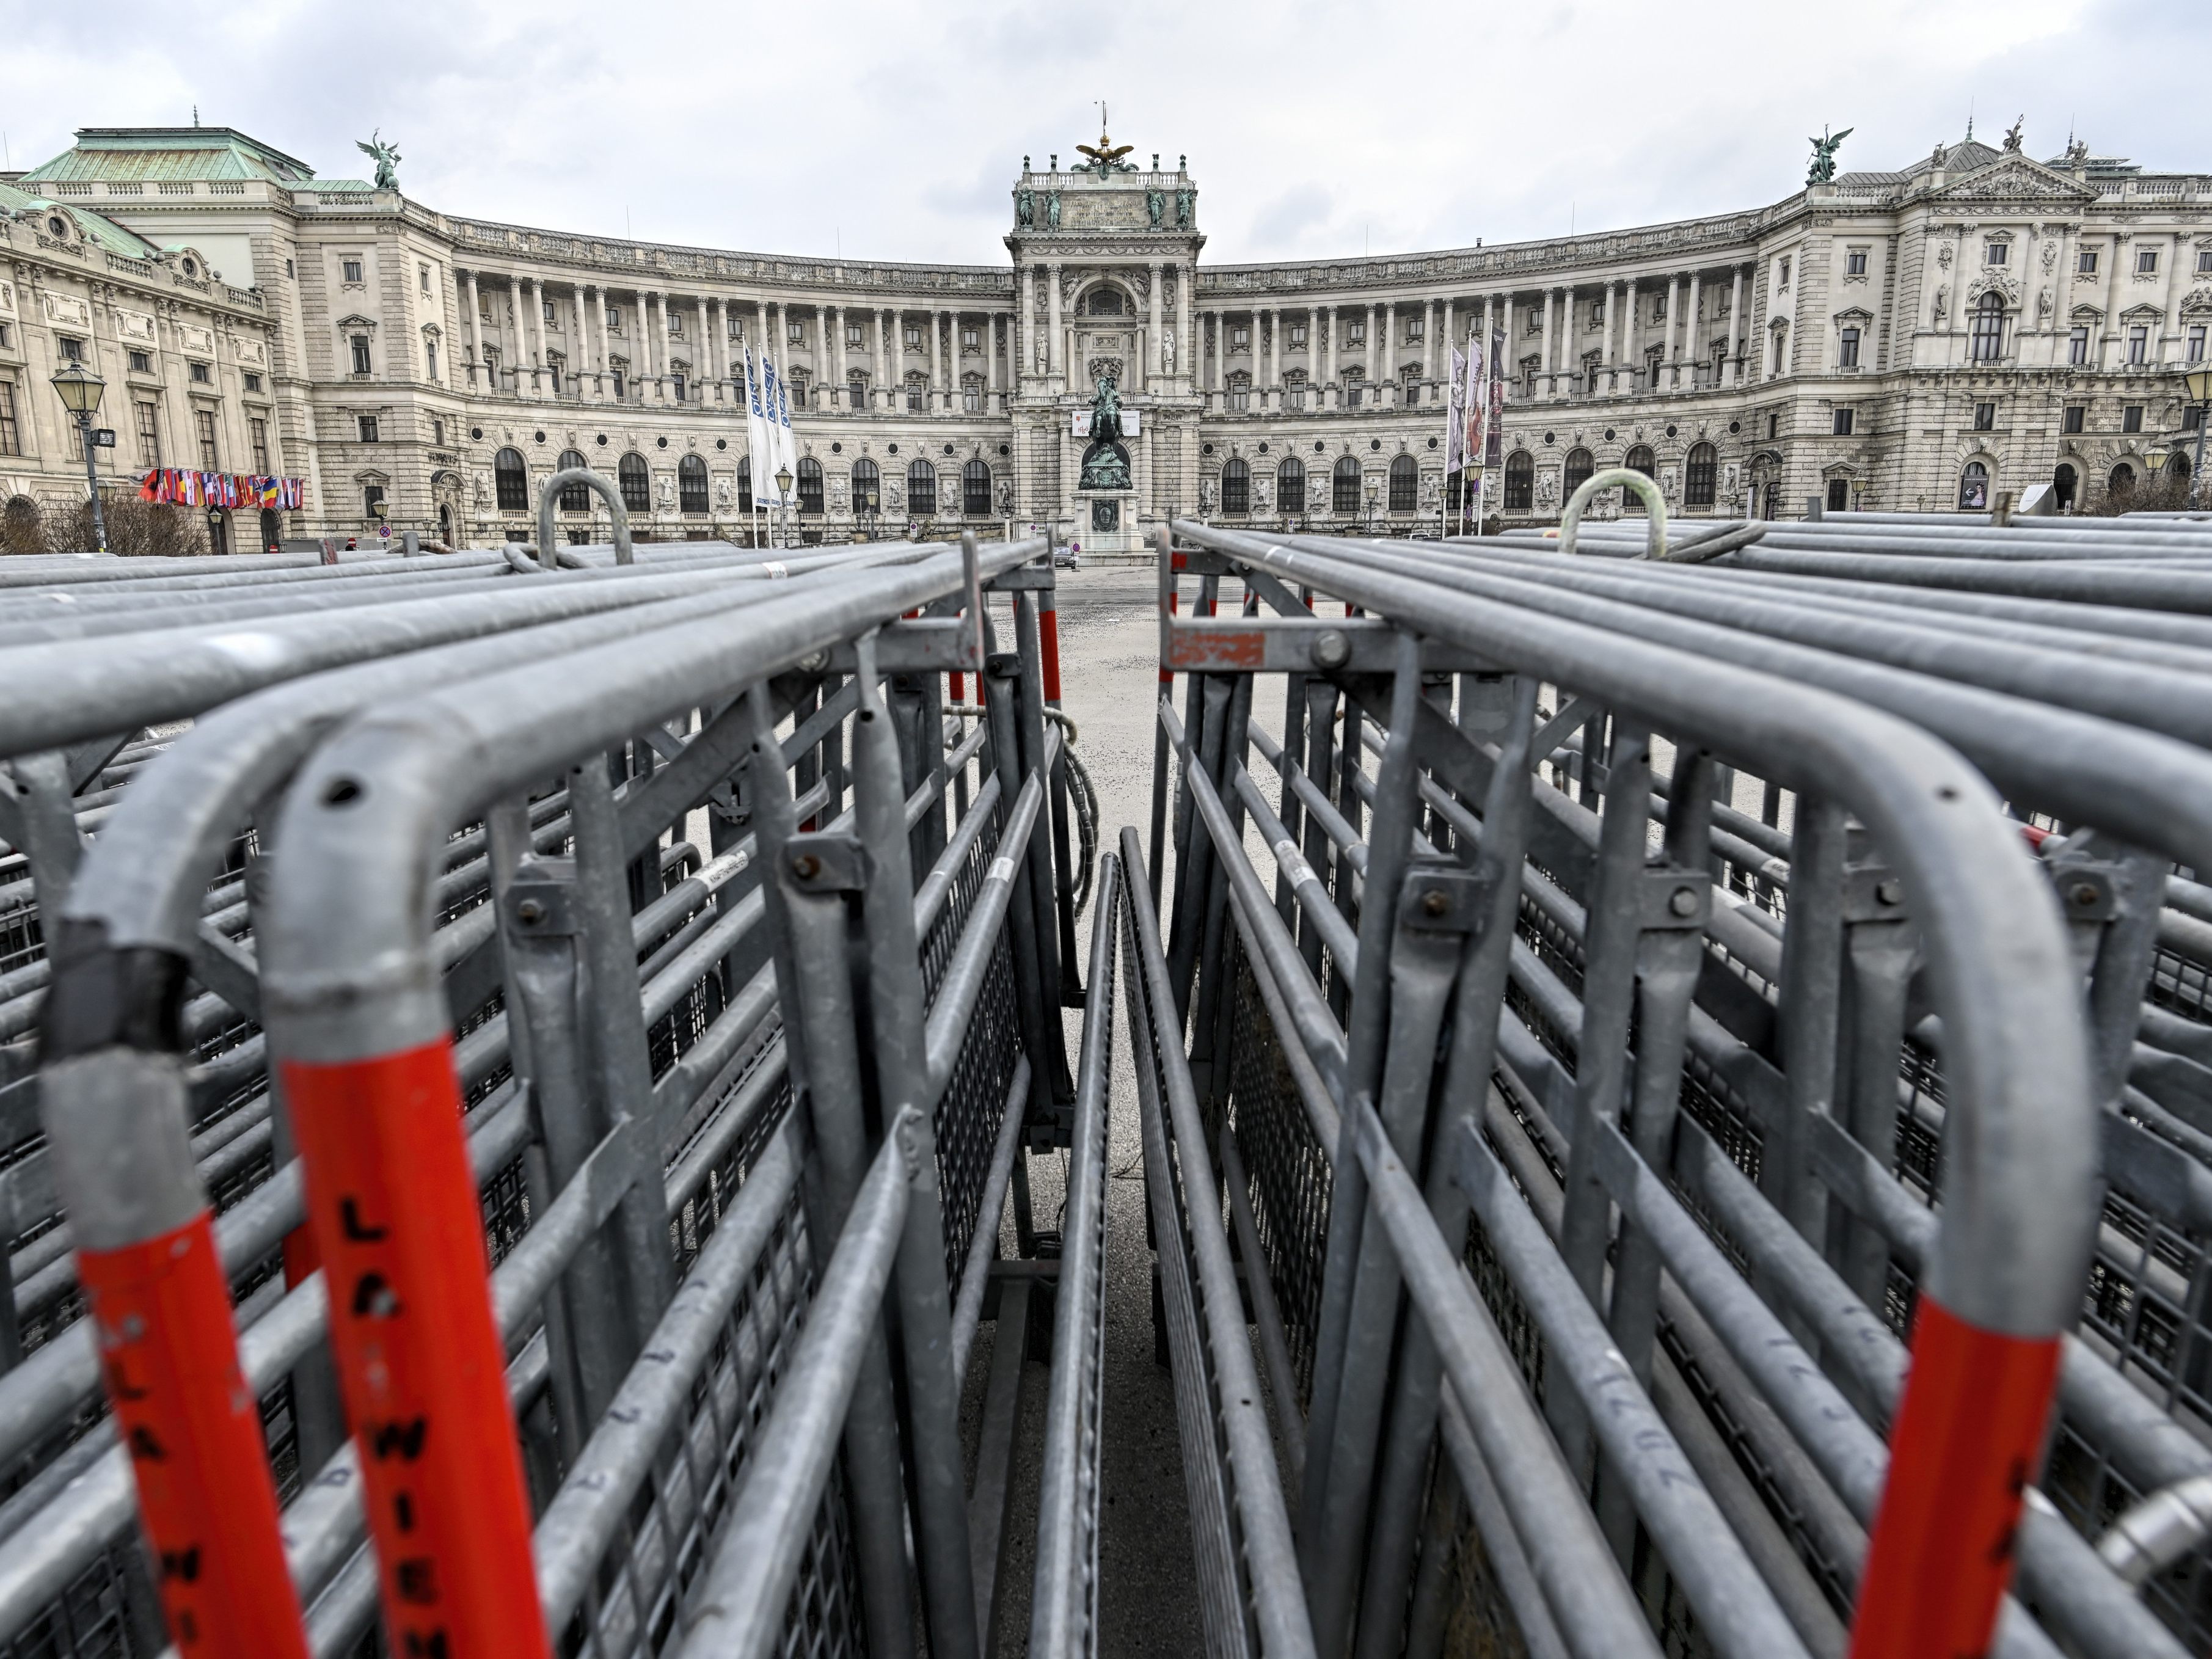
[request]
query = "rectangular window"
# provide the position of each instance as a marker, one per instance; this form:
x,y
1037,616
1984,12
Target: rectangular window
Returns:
x,y
676,323
3,336
1845,419
422,273
2204,262
914,337
676,381
971,396
11,437
367,423
1784,282
2131,418
2191,417
72,348
614,320
2077,415
289,272
253,383
971,338
1847,349
2085,262
1597,316
1240,336
204,429
149,435
618,386
257,434
437,432
1297,333
1773,422
798,334
855,335
2139,343
2077,346
1855,262
351,270
1985,418
549,316
200,375
2196,343
1414,326
429,362
142,362
1996,252
1357,333
2146,261
360,353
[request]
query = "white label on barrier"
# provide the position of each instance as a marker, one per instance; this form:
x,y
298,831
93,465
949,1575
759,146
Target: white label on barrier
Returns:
x,y
776,569
1002,869
1293,862
253,650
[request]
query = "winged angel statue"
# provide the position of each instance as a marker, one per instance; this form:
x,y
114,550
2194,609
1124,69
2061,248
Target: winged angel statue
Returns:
x,y
1823,170
386,158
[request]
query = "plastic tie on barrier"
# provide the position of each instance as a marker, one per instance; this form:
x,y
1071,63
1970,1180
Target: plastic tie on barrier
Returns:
x,y
400,1231
169,1358
1967,1439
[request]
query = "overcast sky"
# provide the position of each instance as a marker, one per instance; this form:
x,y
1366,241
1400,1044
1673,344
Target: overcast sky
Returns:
x,y
1314,127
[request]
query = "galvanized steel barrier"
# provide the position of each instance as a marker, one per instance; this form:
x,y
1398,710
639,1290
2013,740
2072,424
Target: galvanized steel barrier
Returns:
x,y
1774,968
637,990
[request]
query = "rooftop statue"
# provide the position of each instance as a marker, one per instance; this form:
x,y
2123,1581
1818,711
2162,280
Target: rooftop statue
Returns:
x,y
1106,154
1823,170
387,160
2012,138
1025,209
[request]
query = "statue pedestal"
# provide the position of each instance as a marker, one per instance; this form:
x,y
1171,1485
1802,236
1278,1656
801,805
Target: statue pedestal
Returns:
x,y
1106,521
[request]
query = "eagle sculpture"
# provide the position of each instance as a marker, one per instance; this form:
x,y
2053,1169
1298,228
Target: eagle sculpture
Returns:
x,y
1106,155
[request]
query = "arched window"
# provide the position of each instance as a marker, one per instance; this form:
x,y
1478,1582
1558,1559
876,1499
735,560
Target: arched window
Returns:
x,y
921,491
1986,343
1580,465
810,485
856,388
2064,483
510,481
1974,486
636,483
574,497
1405,485
744,483
692,485
976,490
2122,483
1638,459
867,488
1235,487
1697,476
1105,302
2176,468
1520,481
1291,487
1344,489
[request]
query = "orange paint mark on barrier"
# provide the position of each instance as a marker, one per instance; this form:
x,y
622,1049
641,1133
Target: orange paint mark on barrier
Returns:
x,y
1175,604
168,1355
1963,1451
394,1207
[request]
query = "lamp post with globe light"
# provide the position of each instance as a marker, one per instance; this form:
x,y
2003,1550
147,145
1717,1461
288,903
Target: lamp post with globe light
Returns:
x,y
783,494
1374,495
80,391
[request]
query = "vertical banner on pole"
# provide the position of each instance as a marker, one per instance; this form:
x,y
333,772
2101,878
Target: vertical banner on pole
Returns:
x,y
1455,423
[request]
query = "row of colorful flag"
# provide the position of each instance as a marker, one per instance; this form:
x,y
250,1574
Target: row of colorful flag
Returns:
x,y
177,486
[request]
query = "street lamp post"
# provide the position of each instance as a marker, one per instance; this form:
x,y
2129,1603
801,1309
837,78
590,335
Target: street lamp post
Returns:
x,y
2198,381
1374,495
80,391
783,495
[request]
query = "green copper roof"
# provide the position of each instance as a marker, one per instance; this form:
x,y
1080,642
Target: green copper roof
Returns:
x,y
104,233
173,153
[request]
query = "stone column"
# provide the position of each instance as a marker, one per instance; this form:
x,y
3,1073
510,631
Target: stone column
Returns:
x,y
1670,357
1551,375
1691,349
1329,368
1373,309
833,356
1021,343
1605,355
886,320
1445,344
476,330
1153,363
1055,348
1387,351
993,376
1736,327
1628,336
1505,316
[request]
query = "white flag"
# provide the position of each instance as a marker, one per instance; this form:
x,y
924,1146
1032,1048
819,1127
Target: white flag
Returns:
x,y
787,453
764,464
1455,414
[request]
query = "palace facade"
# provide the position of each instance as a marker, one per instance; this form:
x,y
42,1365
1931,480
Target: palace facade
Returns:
x,y
1977,322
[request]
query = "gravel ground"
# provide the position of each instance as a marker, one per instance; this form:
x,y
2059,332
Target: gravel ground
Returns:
x,y
1109,644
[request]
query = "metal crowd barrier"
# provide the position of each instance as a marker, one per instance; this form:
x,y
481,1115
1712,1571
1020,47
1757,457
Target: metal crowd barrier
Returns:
x,y
636,987
1775,970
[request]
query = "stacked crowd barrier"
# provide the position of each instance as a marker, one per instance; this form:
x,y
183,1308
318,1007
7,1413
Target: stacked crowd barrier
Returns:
x,y
1695,1063
632,983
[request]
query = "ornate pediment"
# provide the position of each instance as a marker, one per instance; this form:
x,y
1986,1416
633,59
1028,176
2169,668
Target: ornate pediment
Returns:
x,y
354,319
2014,178
1855,314
2197,299
1994,280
